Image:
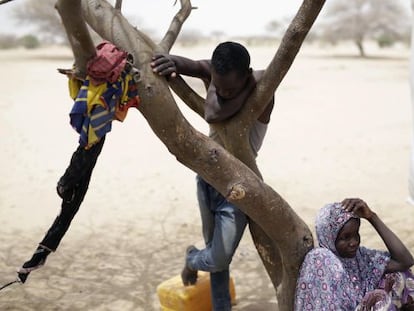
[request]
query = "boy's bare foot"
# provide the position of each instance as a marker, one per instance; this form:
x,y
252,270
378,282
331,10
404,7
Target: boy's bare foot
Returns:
x,y
188,276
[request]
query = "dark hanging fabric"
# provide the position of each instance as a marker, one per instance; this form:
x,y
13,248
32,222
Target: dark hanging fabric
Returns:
x,y
72,188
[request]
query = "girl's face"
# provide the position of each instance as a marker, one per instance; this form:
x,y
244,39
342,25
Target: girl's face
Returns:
x,y
348,239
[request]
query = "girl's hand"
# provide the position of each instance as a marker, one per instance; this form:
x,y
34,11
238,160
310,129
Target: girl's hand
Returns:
x,y
372,297
358,207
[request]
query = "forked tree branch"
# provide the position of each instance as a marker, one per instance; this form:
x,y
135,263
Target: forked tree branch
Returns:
x,y
78,34
176,24
179,86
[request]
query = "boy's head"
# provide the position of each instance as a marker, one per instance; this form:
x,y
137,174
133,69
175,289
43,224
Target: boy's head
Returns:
x,y
230,56
230,64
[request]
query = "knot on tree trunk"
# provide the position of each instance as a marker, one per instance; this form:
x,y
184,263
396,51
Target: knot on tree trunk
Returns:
x,y
213,155
237,192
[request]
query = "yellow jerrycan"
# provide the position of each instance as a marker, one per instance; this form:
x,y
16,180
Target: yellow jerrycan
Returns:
x,y
174,296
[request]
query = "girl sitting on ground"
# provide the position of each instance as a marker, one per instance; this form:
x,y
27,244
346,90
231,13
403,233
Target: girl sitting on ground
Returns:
x,y
342,275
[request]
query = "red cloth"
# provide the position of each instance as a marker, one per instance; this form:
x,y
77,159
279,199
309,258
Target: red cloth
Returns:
x,y
108,63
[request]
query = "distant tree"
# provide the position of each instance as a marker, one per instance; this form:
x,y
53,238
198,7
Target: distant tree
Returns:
x,y
189,37
384,21
29,41
274,26
277,27
218,35
8,41
43,17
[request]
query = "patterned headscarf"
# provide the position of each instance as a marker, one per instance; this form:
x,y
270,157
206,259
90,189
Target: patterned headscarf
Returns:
x,y
329,221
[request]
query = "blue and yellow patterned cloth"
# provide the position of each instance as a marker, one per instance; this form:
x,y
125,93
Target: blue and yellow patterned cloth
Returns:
x,y
96,106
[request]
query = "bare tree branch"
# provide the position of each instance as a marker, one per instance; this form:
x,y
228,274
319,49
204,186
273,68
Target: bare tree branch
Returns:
x,y
78,34
283,59
111,25
118,5
172,33
179,86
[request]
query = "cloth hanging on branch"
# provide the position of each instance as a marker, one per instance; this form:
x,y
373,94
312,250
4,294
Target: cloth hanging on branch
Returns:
x,y
106,94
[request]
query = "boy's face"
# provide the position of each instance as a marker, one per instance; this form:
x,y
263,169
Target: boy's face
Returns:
x,y
229,85
348,239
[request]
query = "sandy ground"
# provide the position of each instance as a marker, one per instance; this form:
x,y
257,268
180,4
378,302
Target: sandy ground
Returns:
x,y
341,128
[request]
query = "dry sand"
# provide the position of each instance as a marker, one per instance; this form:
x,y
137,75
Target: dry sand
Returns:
x,y
341,127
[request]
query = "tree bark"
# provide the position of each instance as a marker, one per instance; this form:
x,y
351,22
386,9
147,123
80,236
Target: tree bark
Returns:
x,y
360,46
280,235
78,34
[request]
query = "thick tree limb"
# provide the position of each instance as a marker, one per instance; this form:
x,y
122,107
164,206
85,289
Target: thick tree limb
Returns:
x,y
272,252
111,25
180,87
78,34
283,59
281,62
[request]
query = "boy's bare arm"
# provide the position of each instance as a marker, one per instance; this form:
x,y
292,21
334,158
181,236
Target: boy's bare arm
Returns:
x,y
170,65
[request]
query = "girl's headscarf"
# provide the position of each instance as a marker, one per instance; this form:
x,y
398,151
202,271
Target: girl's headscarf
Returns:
x,y
329,221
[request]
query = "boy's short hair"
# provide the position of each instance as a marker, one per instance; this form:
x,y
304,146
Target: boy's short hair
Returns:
x,y
229,56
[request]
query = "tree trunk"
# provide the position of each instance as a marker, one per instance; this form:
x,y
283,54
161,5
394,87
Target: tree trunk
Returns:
x,y
281,237
360,46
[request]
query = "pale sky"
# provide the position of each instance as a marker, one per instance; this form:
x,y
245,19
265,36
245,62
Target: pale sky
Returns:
x,y
232,17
